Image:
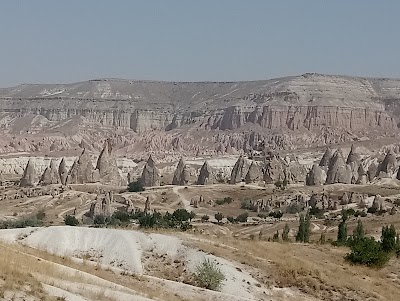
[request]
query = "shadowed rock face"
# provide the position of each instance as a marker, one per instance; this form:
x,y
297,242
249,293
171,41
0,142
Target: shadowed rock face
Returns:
x,y
50,175
205,176
353,157
82,170
326,157
107,166
338,170
238,171
254,174
29,178
388,166
181,175
102,205
316,176
150,174
63,172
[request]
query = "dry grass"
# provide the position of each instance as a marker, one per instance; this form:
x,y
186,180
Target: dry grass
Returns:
x,y
320,271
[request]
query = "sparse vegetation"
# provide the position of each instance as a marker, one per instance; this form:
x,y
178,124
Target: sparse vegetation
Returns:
x,y
218,216
21,223
303,233
226,200
71,220
209,275
136,186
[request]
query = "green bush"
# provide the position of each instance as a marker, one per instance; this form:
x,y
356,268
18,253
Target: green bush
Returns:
x,y
71,220
209,275
218,216
136,186
205,218
21,223
226,200
367,251
242,218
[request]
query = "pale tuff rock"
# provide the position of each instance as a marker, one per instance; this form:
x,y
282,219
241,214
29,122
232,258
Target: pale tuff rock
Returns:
x,y
102,205
50,174
326,157
63,172
398,174
353,156
205,176
107,166
388,165
345,199
316,176
274,169
82,170
150,174
147,205
338,171
254,174
29,178
239,171
295,173
377,203
181,175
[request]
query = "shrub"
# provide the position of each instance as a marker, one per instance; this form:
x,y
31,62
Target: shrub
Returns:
x,y
21,223
205,218
226,200
209,275
41,215
122,216
367,251
242,218
181,215
218,216
136,186
231,219
71,220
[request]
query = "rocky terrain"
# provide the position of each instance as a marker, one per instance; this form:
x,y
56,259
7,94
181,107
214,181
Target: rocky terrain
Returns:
x,y
206,118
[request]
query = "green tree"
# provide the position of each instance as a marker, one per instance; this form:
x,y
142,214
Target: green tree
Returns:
x,y
367,251
342,233
136,186
192,215
303,233
205,218
285,233
388,238
307,232
181,215
359,232
71,220
218,216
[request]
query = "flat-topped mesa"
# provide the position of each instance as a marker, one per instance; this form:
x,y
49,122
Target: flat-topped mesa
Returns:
x,y
107,166
326,157
316,176
50,174
150,174
82,170
254,174
338,170
353,156
205,176
29,177
63,172
388,166
239,171
181,175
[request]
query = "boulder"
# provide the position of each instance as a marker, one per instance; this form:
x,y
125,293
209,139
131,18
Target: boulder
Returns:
x,y
29,177
205,176
150,174
316,176
181,175
50,174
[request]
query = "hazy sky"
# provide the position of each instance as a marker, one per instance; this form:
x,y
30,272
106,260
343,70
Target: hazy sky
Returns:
x,y
187,40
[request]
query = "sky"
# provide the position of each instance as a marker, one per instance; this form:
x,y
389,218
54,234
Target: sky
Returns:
x,y
48,41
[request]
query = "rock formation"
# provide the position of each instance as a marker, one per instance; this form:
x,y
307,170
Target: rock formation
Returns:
x,y
29,178
82,170
362,175
274,169
254,174
388,166
205,176
181,175
338,171
372,171
353,157
63,172
107,166
239,171
316,176
102,205
50,174
326,157
150,174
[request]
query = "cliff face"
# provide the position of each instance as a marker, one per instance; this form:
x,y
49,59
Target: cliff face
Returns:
x,y
284,112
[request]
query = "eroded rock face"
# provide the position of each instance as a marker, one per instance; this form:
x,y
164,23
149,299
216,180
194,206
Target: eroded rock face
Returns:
x,y
254,174
29,178
372,171
326,157
338,170
274,169
63,172
388,166
353,156
239,171
150,174
82,170
181,175
103,205
107,166
316,176
50,174
205,176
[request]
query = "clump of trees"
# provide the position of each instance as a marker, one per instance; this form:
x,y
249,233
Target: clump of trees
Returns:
x,y
21,223
135,186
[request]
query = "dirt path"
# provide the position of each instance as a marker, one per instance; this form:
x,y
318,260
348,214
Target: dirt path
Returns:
x,y
184,201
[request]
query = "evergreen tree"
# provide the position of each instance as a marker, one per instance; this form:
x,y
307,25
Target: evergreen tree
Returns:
x,y
388,238
342,233
307,227
302,228
359,232
285,233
